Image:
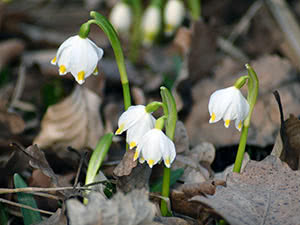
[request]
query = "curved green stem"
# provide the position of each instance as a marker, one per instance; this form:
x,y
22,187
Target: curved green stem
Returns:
x,y
136,37
253,86
110,32
170,112
195,8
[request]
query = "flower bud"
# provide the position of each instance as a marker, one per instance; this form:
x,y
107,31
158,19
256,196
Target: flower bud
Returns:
x,y
151,24
173,16
120,17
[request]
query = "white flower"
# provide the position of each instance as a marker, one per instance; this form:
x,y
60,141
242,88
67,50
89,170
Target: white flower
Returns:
x,y
137,122
151,23
154,146
229,104
120,17
173,15
79,56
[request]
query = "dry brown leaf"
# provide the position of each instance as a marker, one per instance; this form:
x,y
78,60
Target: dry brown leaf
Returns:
x,y
125,167
73,122
181,139
203,46
12,121
204,152
131,209
290,138
9,50
172,221
267,192
58,218
137,179
180,198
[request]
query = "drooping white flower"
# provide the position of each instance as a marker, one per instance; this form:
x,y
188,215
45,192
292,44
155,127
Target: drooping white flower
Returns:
x,y
137,121
229,104
79,56
155,146
173,15
120,17
151,24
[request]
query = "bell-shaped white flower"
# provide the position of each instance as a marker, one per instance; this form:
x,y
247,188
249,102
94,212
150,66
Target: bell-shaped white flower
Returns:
x,y
120,17
173,15
79,56
137,121
154,147
229,104
151,24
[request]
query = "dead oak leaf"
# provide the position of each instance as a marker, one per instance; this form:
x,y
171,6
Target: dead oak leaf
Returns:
x,y
267,192
73,122
131,209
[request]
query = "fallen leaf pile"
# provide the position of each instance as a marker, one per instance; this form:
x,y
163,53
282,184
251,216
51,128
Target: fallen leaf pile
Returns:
x,y
267,192
131,209
73,122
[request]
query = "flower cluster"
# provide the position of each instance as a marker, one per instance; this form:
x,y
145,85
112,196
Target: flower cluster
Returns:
x,y
152,145
229,104
79,56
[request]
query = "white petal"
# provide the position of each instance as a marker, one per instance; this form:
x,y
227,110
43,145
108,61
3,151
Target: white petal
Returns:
x,y
131,116
84,57
168,150
98,50
64,45
139,129
219,102
150,147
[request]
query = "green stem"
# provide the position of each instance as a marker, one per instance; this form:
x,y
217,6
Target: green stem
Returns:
x,y
110,32
241,150
170,112
195,8
136,37
253,86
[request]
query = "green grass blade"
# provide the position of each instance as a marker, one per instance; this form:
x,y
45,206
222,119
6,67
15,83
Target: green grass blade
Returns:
x,y
29,216
3,215
175,175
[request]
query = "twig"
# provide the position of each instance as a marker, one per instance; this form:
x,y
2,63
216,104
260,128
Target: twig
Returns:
x,y
45,195
37,189
244,23
288,24
25,206
230,49
82,158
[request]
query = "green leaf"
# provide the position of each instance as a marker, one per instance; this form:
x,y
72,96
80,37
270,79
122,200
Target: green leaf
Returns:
x,y
170,111
29,216
3,215
175,175
98,157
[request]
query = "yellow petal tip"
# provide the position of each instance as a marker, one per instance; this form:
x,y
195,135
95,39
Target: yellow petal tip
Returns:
x,y
62,69
150,162
132,144
212,118
227,122
136,155
120,129
53,61
80,75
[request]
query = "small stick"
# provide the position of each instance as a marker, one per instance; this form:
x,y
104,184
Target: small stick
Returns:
x,y
37,189
25,206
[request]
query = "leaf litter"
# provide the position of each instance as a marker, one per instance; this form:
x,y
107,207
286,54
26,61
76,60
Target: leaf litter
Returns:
x,y
267,192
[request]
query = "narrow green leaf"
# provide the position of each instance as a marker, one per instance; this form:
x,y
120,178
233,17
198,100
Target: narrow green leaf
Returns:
x,y
175,175
169,111
98,157
3,215
29,216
